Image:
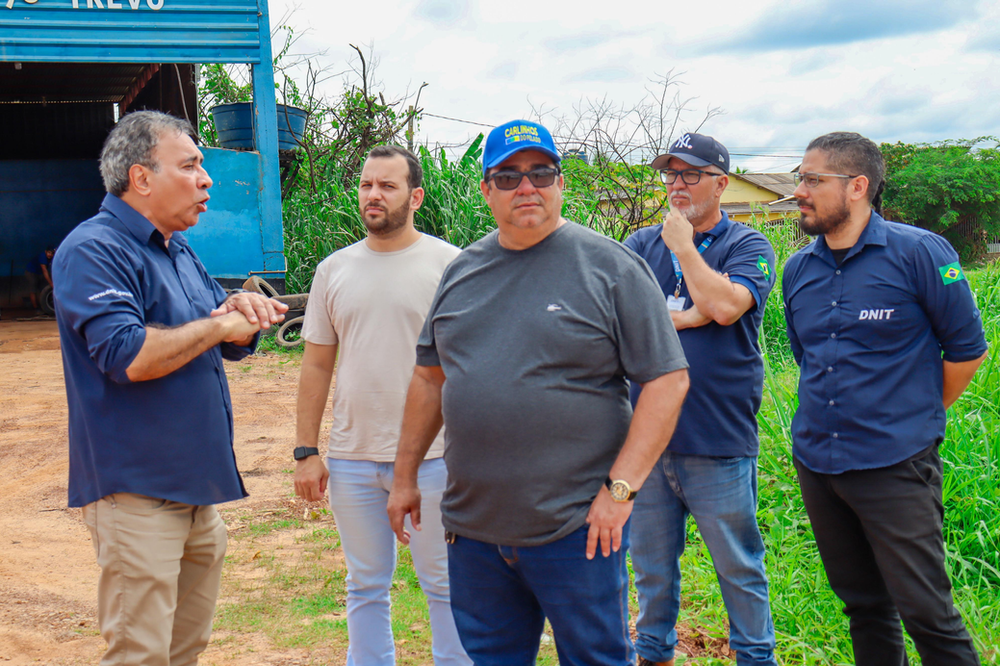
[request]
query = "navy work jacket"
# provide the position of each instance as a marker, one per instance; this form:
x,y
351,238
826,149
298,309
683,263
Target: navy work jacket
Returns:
x,y
169,438
870,336
719,417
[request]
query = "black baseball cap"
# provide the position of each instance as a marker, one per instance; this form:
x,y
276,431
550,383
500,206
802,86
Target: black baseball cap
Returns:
x,y
695,149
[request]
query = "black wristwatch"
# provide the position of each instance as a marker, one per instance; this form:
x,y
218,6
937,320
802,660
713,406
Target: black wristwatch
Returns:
x,y
621,491
305,451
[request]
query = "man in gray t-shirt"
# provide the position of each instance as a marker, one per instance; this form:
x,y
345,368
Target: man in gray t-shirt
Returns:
x,y
524,355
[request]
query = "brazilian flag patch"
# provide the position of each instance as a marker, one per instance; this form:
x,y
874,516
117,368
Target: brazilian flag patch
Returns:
x,y
766,269
951,273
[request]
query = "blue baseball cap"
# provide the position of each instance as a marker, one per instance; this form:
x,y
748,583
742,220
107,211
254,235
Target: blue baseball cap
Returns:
x,y
513,137
697,150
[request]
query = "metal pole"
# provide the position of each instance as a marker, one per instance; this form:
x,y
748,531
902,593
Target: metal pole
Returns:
x,y
409,130
266,142
10,284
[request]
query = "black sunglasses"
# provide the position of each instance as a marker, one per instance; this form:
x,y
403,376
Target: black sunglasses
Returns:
x,y
510,179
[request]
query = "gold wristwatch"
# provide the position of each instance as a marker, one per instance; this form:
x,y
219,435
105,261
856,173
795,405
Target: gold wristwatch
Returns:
x,y
621,491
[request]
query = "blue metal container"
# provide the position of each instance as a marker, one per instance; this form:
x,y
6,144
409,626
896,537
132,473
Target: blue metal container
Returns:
x,y
242,230
234,124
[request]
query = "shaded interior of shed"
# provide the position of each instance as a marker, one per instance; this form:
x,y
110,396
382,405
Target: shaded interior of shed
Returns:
x,y
65,110
54,118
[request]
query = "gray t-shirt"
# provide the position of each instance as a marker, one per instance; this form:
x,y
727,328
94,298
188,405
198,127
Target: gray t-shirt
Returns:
x,y
536,346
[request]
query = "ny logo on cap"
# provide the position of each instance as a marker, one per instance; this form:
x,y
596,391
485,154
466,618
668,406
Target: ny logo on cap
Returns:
x,y
684,142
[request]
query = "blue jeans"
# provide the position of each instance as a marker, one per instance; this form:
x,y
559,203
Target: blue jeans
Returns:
x,y
359,492
721,494
501,596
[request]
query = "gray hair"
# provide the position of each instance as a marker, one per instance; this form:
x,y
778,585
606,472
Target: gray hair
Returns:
x,y
132,141
852,154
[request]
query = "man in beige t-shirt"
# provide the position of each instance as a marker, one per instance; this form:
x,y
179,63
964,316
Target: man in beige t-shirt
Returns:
x,y
369,301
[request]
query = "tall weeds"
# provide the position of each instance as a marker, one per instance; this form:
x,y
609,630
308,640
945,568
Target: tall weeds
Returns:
x,y
453,207
810,625
809,622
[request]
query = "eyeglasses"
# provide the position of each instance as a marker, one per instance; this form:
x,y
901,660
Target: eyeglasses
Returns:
x,y
812,179
511,180
689,176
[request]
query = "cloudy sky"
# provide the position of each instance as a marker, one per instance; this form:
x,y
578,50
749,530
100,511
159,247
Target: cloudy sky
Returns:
x,y
781,72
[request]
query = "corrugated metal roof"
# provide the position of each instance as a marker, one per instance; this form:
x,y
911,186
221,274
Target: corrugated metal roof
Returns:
x,y
743,208
183,31
781,184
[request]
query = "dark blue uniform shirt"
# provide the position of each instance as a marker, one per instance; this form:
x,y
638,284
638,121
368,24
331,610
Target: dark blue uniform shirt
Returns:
x,y
869,337
719,416
35,263
172,437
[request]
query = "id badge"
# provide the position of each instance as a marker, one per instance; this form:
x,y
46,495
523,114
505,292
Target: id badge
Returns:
x,y
676,302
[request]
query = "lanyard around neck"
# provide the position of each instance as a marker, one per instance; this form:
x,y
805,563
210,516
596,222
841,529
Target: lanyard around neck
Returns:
x,y
678,273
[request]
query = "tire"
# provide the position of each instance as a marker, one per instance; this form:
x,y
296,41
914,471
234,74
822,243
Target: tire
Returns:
x,y
47,301
260,285
290,333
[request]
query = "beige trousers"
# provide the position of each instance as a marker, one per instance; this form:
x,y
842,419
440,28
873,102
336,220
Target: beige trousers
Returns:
x,y
161,565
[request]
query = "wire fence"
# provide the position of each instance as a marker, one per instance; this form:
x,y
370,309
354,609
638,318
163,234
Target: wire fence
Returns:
x,y
972,230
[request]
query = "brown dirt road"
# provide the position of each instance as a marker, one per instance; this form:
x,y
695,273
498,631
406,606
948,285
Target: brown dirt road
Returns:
x,y
48,574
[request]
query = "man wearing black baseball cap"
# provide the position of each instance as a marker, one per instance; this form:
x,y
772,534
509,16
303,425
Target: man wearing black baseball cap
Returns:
x,y
524,353
698,150
716,275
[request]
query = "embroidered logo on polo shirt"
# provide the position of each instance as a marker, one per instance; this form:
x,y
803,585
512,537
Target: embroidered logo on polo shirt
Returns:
x,y
110,292
554,307
951,273
764,267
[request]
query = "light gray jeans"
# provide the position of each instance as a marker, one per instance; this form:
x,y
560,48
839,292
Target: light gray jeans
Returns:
x,y
359,494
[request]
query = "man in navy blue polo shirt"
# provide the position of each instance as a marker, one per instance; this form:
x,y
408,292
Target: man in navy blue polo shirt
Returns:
x,y
144,330
887,335
716,275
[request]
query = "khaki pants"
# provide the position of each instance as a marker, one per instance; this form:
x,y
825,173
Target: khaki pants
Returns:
x,y
161,565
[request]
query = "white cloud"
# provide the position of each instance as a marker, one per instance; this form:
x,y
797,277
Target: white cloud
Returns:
x,y
913,71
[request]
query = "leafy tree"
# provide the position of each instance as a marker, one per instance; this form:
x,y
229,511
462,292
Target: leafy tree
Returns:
x,y
938,186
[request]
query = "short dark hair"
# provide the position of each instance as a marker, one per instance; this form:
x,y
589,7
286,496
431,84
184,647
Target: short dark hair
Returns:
x,y
852,154
132,141
415,174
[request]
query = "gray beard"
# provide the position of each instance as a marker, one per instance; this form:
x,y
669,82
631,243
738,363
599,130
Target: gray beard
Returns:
x,y
693,210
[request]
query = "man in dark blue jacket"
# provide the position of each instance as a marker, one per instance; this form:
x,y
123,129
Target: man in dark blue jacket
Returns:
x,y
887,335
144,330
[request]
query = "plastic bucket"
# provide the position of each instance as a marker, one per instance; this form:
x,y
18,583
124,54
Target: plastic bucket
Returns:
x,y
234,125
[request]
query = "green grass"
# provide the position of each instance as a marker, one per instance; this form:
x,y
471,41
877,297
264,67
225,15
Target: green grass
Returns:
x,y
285,579
809,623
810,626
808,619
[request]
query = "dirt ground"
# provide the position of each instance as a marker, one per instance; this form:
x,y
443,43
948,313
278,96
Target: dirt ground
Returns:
x,y
48,574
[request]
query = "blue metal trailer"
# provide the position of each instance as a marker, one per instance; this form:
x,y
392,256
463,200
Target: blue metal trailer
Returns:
x,y
70,68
